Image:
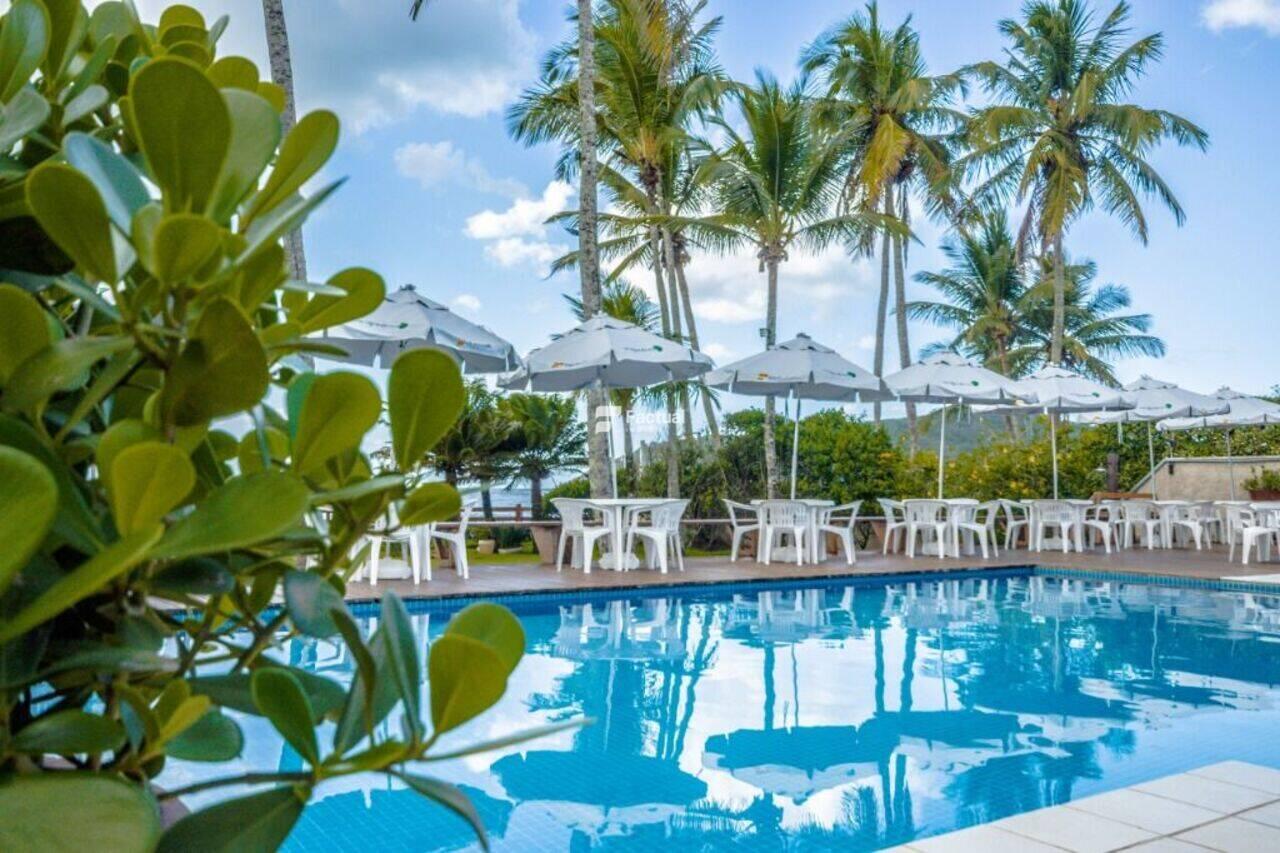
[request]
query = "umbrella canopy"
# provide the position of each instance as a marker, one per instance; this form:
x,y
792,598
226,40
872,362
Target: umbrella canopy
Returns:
x,y
408,320
949,378
800,368
608,780
1245,411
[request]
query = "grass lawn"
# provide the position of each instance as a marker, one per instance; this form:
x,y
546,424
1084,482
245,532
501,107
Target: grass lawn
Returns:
x,y
475,557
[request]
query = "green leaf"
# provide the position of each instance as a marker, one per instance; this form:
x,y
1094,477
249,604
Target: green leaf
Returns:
x,y
29,496
214,737
466,677
22,116
221,371
184,243
264,234
122,434
520,737
402,656
493,625
122,816
84,580
71,211
147,481
184,129
305,150
451,797
281,700
69,732
310,600
61,366
255,133
24,39
249,450
197,576
364,291
68,25
424,397
93,98
24,330
256,822
73,523
244,511
339,408
370,696
234,691
234,72
430,502
361,489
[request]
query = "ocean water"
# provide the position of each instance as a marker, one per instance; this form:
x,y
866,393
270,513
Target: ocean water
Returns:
x,y
814,716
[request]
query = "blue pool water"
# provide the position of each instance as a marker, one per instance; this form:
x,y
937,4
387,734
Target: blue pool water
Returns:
x,y
817,716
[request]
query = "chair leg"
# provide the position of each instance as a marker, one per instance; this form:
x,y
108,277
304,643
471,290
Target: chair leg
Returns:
x,y
733,545
560,550
768,544
415,557
678,547
375,553
798,534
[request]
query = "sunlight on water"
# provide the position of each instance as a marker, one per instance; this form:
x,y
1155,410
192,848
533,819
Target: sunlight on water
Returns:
x,y
826,716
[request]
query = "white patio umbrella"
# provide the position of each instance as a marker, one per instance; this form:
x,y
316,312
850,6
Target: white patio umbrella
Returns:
x,y
1154,400
1245,411
408,320
1058,391
605,352
949,378
803,369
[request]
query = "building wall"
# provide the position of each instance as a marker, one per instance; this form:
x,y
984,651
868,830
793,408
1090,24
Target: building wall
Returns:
x,y
1204,478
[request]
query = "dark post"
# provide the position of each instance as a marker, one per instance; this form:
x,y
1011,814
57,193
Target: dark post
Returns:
x,y
1113,472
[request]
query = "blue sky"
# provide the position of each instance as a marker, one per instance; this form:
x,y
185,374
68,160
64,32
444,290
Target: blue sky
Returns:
x,y
440,196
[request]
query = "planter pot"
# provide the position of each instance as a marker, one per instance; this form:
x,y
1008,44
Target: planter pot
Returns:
x,y
515,550
545,538
486,546
1264,494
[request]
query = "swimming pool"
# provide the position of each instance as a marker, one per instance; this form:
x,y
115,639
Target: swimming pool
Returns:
x,y
813,715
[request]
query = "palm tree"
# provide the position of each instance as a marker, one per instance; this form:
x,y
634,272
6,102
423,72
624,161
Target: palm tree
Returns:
x,y
775,188
876,83
547,439
282,75
476,446
1059,134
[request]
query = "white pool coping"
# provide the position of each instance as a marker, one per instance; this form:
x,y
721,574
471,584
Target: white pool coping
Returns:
x,y
1233,806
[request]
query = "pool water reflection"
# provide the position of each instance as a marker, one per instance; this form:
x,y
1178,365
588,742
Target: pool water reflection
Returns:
x,y
831,716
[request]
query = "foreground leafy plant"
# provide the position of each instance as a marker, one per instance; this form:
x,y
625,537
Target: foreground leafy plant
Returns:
x,y
144,194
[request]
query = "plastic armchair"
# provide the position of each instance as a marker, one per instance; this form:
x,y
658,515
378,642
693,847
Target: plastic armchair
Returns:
x,y
980,520
457,541
1235,518
1055,515
895,523
1099,520
1017,517
662,534
1186,518
927,517
743,519
842,527
1260,534
783,518
409,538
1141,517
574,527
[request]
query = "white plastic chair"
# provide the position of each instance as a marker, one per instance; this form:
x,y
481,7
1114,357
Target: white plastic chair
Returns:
x,y
409,538
1143,517
1099,519
841,527
1055,515
926,517
1212,522
1017,517
978,519
744,519
895,524
783,518
1235,518
573,526
1259,534
1186,518
457,541
662,534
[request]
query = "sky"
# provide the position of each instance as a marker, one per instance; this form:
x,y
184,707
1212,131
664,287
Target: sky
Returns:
x,y
440,196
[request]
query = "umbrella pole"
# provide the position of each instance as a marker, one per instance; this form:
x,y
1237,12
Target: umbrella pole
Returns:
x,y
613,466
795,449
942,449
1231,468
1151,460
1053,448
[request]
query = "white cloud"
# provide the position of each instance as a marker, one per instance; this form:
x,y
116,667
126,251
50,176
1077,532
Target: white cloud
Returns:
x,y
866,342
515,251
435,164
1221,15
467,303
518,235
719,352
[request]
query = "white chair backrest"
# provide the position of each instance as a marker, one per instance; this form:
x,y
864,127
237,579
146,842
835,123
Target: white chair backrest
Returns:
x,y
464,518
667,516
894,511
829,514
1238,516
786,513
986,513
926,512
1015,511
572,513
1138,510
1055,512
740,513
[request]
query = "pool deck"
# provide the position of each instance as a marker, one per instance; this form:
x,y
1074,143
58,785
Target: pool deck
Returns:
x,y
516,578
1233,806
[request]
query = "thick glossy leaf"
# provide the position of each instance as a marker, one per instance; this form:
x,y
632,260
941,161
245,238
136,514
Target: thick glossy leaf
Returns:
x,y
339,408
71,211
424,397
493,625
245,511
234,691
148,480
23,115
430,502
61,366
234,72
123,817
221,371
23,43
361,489
467,677
93,98
24,331
371,695
184,242
69,732
29,496
311,600
180,15
183,128
83,581
402,656
256,822
255,133
281,700
122,434
519,737
295,396
364,291
249,451
451,797
68,24
265,232
214,737
198,576
73,523
305,150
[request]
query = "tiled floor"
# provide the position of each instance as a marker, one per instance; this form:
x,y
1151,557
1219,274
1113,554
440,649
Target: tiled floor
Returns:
x,y
506,579
1232,807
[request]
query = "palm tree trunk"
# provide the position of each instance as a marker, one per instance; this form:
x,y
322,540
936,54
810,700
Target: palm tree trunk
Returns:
x,y
673,299
900,310
664,309
486,503
1059,300
598,461
535,496
882,309
708,410
282,75
770,338
628,446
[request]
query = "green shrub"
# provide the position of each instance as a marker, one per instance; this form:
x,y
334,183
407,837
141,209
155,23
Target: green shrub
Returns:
x,y
145,194
1263,480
